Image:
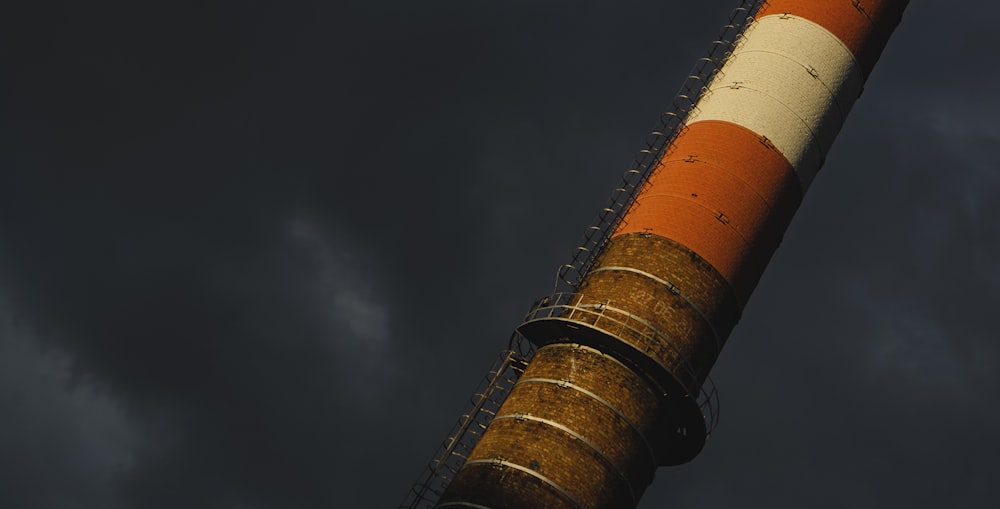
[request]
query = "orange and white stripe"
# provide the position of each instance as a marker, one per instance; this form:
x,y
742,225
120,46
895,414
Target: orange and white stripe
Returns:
x,y
729,184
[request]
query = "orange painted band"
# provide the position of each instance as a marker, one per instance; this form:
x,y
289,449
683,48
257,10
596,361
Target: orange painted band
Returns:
x,y
726,194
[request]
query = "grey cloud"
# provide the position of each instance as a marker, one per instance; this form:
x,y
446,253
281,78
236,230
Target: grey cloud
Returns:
x,y
66,442
343,286
348,299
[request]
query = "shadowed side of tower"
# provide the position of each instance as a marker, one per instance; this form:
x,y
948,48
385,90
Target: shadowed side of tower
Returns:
x,y
617,386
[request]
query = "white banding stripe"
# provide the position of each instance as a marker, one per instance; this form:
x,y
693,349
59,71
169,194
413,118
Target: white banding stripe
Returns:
x,y
812,46
499,462
784,79
576,436
791,81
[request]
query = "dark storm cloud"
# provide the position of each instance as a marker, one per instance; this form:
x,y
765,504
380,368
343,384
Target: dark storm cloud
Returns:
x,y
78,440
257,256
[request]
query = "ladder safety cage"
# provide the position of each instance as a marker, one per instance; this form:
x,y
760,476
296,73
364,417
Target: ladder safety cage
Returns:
x,y
669,125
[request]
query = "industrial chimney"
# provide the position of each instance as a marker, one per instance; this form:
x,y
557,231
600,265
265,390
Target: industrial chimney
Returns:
x,y
619,382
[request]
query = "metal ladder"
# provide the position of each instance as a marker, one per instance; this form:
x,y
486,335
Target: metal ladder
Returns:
x,y
500,379
657,145
485,402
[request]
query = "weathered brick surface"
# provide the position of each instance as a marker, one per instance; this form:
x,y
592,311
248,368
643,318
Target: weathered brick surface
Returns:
x,y
597,448
568,462
673,262
601,374
694,312
498,487
606,479
606,431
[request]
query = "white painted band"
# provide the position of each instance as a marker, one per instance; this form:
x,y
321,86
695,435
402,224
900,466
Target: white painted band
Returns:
x,y
791,81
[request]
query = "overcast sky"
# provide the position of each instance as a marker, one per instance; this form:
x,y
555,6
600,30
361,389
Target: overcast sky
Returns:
x,y
258,256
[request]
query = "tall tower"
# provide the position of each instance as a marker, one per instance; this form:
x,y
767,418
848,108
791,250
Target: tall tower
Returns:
x,y
618,384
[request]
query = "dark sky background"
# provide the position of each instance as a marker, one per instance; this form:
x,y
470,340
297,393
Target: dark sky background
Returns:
x,y
257,255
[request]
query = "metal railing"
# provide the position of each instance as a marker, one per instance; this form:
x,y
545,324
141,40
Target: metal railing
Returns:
x,y
619,323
